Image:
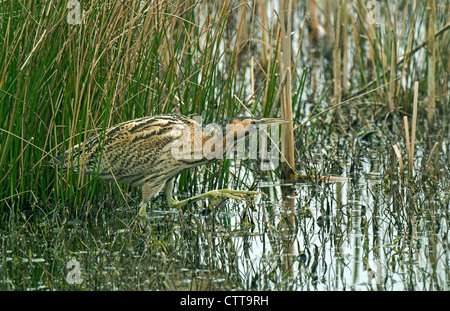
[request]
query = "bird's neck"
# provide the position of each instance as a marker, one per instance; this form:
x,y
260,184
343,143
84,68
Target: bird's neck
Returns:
x,y
219,140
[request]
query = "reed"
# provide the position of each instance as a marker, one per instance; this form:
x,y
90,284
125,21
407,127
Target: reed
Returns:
x,y
63,82
434,151
431,58
343,41
287,131
413,129
400,162
410,139
337,55
407,140
391,94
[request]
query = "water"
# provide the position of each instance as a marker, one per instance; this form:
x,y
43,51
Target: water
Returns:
x,y
371,232
340,236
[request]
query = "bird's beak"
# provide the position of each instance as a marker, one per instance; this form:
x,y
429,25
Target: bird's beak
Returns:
x,y
275,121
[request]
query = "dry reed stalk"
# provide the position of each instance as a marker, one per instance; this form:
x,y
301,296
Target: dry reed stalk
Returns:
x,y
372,38
356,30
375,48
413,128
265,48
300,40
32,51
328,38
445,90
242,28
344,42
408,144
287,130
432,153
313,25
431,8
337,55
268,59
278,96
252,80
392,77
391,94
400,162
403,23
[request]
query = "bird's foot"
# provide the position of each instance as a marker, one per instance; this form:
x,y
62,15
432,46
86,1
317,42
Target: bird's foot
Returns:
x,y
214,195
231,194
174,203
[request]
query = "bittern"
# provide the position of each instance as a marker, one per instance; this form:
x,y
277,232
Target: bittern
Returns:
x,y
152,151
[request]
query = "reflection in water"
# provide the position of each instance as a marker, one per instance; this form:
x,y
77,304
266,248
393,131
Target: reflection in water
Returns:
x,y
355,240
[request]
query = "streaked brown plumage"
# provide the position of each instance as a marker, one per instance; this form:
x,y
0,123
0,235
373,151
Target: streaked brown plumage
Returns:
x,y
140,153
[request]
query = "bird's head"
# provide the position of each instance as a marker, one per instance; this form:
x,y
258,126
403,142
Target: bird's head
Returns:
x,y
247,121
238,128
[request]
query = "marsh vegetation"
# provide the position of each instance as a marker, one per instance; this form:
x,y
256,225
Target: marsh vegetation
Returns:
x,y
367,83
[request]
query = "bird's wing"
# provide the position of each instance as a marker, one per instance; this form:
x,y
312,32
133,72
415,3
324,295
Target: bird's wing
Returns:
x,y
134,149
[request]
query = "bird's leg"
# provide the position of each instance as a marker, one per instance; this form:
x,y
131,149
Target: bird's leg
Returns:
x,y
214,194
168,189
147,192
142,209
